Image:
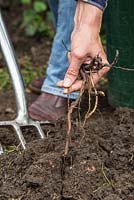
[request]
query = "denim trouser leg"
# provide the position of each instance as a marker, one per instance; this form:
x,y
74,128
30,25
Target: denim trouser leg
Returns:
x,y
53,5
58,63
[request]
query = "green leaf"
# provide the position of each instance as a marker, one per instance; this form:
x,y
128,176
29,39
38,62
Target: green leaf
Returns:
x,y
31,29
42,27
28,16
49,16
40,23
39,6
25,1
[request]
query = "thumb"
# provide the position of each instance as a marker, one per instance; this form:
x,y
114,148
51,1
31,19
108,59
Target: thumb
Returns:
x,y
69,56
72,72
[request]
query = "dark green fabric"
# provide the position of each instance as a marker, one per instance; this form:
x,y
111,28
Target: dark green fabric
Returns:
x,y
120,35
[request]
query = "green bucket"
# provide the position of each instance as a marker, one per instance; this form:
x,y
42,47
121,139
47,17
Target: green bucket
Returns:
x,y
119,18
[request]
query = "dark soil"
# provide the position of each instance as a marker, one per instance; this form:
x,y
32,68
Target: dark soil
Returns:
x,y
101,168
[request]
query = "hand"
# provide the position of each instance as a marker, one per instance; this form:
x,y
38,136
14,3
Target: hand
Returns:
x,y
85,45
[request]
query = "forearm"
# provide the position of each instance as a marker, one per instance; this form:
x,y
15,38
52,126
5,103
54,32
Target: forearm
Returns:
x,y
87,14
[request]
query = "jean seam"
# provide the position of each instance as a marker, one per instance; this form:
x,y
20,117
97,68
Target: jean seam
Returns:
x,y
59,92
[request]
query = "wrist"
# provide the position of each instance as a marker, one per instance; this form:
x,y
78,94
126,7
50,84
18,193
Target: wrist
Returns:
x,y
87,14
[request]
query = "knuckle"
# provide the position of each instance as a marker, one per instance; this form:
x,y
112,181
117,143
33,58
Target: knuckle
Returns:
x,y
78,55
72,72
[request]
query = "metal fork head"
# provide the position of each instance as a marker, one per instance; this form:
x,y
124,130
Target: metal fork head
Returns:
x,y
23,119
17,128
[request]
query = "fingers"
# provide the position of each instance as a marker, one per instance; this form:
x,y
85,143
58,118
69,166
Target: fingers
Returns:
x,y
96,76
102,53
76,86
88,60
73,70
60,84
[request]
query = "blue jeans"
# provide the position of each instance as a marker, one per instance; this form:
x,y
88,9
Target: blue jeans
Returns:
x,y
63,13
53,5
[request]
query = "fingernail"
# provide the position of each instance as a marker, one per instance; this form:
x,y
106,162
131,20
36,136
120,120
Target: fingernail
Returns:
x,y
66,91
67,82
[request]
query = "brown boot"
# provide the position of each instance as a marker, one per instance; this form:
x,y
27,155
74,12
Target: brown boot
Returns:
x,y
48,107
35,85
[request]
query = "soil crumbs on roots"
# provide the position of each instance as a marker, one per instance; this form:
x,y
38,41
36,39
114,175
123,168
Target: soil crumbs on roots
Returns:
x,y
101,168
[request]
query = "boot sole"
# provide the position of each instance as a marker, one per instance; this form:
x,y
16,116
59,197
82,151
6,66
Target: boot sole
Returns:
x,y
37,118
34,89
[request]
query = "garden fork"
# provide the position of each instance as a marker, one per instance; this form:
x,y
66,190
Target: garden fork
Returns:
x,y
22,119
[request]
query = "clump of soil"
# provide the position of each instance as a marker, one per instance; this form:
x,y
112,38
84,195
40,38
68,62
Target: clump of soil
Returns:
x,y
101,168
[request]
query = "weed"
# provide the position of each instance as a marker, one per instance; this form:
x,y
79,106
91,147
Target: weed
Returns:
x,y
34,16
28,73
10,149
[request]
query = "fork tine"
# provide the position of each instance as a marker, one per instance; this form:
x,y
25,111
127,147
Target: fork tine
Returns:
x,y
20,135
